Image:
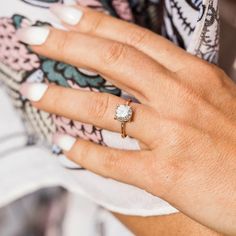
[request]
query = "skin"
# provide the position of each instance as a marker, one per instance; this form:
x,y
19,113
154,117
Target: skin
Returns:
x,y
187,105
171,225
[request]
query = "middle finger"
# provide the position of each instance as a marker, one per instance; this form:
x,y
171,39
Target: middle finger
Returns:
x,y
125,66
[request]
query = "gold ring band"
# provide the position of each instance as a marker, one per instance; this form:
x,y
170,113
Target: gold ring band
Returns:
x,y
123,132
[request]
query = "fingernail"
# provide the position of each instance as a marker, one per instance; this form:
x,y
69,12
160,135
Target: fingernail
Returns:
x,y
67,14
64,141
33,35
87,72
33,91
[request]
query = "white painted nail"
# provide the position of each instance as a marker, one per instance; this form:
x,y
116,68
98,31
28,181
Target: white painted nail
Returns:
x,y
68,14
33,91
88,72
33,35
64,141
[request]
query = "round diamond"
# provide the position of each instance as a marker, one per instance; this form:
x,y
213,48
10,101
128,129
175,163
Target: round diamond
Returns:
x,y
123,113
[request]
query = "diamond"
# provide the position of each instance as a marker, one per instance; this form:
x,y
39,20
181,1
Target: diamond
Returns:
x,y
123,113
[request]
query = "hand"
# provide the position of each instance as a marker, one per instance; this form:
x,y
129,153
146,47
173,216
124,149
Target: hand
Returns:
x,y
186,119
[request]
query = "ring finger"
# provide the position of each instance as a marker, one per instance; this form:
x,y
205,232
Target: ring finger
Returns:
x,y
90,107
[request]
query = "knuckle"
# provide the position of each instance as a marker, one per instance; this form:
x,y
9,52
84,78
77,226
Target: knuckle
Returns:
x,y
55,95
83,151
178,143
167,171
111,161
151,175
137,36
63,45
96,23
114,53
98,106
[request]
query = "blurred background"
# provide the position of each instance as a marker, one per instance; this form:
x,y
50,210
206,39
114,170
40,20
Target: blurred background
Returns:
x,y
51,212
228,37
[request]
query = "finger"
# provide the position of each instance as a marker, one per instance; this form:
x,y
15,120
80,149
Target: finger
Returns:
x,y
102,25
117,164
120,63
90,107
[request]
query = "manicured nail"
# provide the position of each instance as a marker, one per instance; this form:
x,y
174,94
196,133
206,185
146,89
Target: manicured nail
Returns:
x,y
64,141
88,72
33,91
33,35
69,15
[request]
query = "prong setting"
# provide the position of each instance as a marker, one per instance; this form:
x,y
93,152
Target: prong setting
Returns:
x,y
123,113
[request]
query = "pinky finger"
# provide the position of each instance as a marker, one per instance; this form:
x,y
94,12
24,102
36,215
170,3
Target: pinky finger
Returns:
x,y
125,166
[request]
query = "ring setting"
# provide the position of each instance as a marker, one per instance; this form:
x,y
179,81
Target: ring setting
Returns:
x,y
123,114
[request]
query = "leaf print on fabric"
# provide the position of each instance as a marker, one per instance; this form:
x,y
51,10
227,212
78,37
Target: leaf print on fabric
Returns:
x,y
77,129
180,19
208,48
61,73
196,4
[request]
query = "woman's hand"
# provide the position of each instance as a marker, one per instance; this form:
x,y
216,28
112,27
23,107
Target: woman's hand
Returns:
x,y
185,122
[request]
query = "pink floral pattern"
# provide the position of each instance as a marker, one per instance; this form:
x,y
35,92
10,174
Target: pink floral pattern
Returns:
x,y
13,53
75,128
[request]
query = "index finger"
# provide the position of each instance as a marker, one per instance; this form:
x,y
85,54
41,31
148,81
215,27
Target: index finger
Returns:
x,y
98,24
